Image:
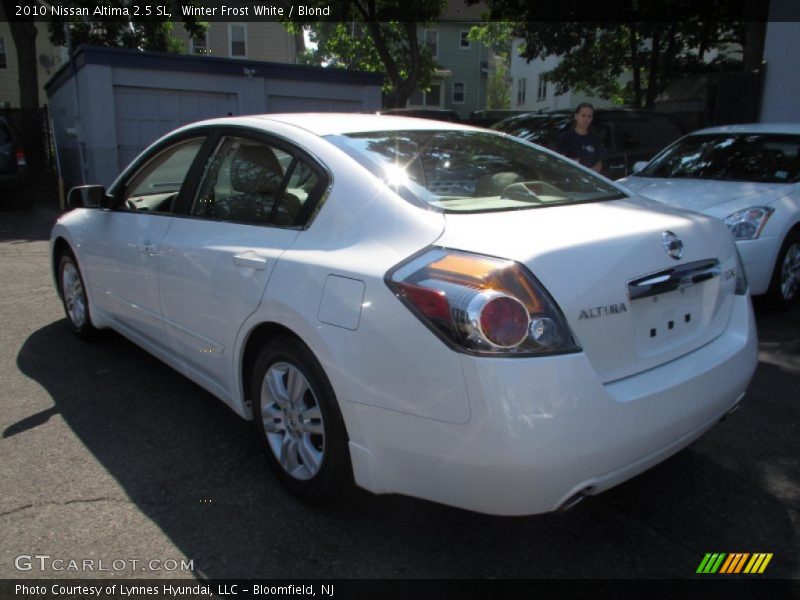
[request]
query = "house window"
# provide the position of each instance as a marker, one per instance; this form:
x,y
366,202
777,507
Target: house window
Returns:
x,y
458,93
432,41
465,40
541,94
521,91
3,57
238,40
199,44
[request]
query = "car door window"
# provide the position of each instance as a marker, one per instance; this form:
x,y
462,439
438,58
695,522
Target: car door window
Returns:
x,y
252,182
157,184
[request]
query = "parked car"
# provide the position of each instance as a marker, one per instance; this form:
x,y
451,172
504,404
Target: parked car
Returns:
x,y
509,349
629,136
424,113
749,177
13,164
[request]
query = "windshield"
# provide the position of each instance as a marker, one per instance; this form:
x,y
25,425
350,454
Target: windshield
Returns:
x,y
472,171
760,158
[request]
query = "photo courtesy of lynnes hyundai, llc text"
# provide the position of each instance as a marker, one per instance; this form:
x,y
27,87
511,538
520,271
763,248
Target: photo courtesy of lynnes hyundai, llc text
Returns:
x,y
416,307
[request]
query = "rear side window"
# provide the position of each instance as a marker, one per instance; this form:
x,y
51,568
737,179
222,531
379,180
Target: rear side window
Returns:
x,y
248,181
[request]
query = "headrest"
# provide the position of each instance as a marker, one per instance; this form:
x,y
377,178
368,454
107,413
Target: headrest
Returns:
x,y
255,170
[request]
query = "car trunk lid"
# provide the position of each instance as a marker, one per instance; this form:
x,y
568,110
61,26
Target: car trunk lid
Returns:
x,y
605,264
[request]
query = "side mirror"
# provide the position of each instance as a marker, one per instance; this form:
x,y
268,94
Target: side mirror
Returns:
x,y
88,196
638,166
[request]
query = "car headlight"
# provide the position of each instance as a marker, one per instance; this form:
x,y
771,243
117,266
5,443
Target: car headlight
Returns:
x,y
481,304
747,224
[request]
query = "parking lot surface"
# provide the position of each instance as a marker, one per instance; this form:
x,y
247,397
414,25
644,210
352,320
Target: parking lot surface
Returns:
x,y
106,454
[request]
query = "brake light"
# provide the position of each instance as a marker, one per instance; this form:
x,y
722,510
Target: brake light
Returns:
x,y
481,304
20,156
502,320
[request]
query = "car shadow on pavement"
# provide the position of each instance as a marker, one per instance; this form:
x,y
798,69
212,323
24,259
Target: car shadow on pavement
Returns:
x,y
195,469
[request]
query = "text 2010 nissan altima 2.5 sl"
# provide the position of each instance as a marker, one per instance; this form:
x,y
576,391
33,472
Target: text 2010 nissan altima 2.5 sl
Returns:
x,y
416,307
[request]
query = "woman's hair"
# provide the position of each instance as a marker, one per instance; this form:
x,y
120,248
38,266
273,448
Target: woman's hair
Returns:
x,y
583,105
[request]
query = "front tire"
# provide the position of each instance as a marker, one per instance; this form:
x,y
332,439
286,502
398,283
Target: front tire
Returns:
x,y
73,296
784,288
298,422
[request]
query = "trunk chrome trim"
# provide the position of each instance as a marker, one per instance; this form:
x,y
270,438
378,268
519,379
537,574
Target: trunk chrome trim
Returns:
x,y
673,279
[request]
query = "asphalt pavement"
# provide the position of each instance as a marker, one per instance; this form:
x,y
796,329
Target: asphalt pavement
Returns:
x,y
108,455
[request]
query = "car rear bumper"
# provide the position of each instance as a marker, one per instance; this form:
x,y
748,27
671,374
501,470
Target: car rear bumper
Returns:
x,y
543,430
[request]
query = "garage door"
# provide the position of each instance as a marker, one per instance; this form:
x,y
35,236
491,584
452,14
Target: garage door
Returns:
x,y
144,114
282,104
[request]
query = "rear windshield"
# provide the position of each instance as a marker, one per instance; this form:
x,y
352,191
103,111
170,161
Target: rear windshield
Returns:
x,y
472,171
758,158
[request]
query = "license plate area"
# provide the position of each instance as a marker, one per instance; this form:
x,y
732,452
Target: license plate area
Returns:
x,y
670,307
665,321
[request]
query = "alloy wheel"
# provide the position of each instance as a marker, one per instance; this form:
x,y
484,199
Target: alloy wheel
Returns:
x,y
790,272
74,294
292,421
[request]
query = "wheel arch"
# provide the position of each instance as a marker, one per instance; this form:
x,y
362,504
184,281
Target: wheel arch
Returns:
x,y
258,337
60,246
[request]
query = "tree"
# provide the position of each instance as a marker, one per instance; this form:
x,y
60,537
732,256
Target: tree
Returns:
x,y
497,36
374,35
134,30
643,41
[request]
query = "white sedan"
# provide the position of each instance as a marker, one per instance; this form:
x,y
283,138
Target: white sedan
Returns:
x,y
749,177
416,307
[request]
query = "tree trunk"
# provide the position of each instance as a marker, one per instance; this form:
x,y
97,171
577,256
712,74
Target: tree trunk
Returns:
x,y
23,33
652,79
753,55
635,67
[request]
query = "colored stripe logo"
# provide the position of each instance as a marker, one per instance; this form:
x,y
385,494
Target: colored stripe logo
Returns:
x,y
734,563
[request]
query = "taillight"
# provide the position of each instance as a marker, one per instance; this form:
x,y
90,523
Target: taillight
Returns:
x,y
20,156
481,304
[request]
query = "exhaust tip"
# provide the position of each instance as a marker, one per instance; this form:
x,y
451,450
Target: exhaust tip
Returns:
x,y
576,499
733,409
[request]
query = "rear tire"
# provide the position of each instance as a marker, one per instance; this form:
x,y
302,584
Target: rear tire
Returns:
x,y
784,288
73,296
299,424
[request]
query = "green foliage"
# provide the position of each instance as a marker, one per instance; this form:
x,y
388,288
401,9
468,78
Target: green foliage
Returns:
x,y
498,87
374,35
135,32
596,50
496,35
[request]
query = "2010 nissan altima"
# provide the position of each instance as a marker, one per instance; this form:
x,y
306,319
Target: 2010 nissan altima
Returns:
x,y
416,307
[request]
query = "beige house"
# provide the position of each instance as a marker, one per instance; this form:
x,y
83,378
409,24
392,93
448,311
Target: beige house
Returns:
x,y
254,40
49,59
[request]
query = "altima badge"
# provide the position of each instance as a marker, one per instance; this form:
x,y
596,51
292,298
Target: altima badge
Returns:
x,y
602,311
672,245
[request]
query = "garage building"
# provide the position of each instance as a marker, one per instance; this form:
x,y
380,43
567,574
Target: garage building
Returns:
x,y
108,104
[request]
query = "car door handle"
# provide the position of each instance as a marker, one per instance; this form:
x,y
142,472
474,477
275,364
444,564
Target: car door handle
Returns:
x,y
249,261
